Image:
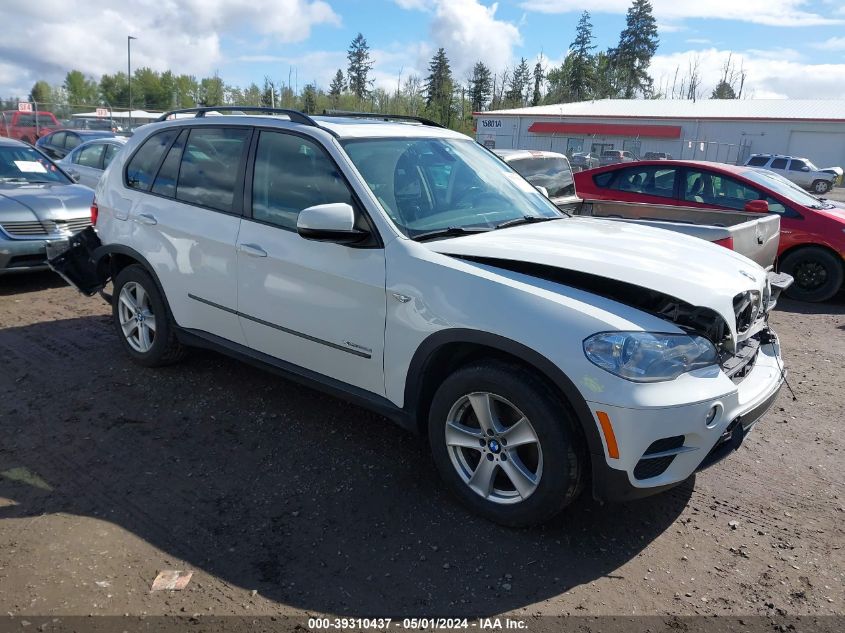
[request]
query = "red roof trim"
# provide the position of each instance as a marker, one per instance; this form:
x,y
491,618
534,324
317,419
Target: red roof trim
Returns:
x,y
607,129
495,115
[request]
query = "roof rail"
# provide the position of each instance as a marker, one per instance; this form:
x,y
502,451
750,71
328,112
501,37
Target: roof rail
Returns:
x,y
383,117
295,115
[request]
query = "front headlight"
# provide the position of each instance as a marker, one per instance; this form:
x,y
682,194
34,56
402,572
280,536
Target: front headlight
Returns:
x,y
649,356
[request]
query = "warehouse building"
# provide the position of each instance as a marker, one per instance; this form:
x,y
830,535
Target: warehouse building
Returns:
x,y
717,130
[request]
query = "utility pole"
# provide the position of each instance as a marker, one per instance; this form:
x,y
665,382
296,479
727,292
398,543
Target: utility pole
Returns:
x,y
129,39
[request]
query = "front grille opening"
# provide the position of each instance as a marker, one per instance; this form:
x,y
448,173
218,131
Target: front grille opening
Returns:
x,y
26,261
748,307
649,467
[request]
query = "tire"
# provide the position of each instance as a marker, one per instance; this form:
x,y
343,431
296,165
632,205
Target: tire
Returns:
x,y
134,286
821,186
817,271
554,459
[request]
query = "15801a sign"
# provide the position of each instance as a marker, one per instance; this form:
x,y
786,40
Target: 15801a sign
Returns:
x,y
490,124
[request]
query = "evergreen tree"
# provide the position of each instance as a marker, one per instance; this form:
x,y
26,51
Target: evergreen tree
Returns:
x,y
520,82
637,45
539,78
438,88
360,65
581,70
480,86
309,99
337,87
211,91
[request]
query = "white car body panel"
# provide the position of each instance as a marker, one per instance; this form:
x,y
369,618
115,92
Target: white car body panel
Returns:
x,y
384,303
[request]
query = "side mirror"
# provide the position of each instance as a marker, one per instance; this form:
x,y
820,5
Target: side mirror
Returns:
x,y
805,168
757,206
73,176
543,190
329,223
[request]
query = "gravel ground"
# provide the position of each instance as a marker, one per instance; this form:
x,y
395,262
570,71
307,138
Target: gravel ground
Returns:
x,y
285,501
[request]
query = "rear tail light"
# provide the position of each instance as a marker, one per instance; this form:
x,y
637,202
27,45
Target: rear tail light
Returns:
x,y
727,242
95,212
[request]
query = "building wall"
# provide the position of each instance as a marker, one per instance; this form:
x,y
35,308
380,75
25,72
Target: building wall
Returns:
x,y
724,141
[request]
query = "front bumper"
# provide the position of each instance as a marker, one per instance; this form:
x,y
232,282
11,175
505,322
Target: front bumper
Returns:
x,y
20,256
661,447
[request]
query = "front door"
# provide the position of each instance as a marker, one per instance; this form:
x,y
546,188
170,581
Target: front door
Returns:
x,y
317,305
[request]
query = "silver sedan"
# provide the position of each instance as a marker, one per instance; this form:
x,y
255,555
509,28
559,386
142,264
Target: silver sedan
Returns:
x,y
86,163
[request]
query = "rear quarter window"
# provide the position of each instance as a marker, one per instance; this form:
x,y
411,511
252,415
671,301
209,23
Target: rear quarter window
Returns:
x,y
604,180
143,166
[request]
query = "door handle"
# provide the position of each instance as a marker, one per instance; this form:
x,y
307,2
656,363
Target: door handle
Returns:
x,y
252,250
146,218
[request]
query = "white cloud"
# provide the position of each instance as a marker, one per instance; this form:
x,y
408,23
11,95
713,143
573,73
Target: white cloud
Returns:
x,y
470,32
831,44
699,40
45,39
769,75
778,13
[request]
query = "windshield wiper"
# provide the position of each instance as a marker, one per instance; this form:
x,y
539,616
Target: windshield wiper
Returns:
x,y
452,231
526,219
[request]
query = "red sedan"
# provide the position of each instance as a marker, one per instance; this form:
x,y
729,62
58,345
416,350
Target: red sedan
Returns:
x,y
812,243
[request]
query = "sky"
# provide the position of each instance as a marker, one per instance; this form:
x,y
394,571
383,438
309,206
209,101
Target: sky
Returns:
x,y
788,48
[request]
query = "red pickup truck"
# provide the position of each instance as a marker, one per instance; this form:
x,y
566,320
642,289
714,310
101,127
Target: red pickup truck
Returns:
x,y
22,125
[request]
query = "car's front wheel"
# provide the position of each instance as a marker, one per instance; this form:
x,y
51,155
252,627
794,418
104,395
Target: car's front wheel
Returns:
x,y
817,273
142,320
505,443
821,186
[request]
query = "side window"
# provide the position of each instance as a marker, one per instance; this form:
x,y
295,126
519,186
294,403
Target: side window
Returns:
x,y
210,165
90,156
779,163
291,174
57,139
72,141
796,165
648,180
718,190
110,152
168,174
144,164
603,180
758,161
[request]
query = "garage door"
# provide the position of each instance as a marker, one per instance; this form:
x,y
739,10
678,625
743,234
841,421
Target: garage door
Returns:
x,y
825,149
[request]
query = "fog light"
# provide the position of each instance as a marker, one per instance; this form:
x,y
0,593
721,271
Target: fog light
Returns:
x,y
711,415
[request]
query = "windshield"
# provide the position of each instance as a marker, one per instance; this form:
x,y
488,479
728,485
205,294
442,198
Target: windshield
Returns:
x,y
25,165
427,184
552,173
780,185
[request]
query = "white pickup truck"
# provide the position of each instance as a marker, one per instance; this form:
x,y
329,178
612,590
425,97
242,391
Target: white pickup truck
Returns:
x,y
402,266
752,234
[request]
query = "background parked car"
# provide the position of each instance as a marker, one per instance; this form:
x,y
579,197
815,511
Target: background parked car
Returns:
x,y
58,144
87,162
657,156
87,123
613,156
38,203
24,127
812,239
549,170
584,160
801,171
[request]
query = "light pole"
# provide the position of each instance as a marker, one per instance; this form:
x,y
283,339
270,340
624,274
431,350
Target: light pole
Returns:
x,y
129,39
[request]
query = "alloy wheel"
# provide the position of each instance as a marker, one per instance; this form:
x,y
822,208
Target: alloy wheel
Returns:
x,y
137,320
494,448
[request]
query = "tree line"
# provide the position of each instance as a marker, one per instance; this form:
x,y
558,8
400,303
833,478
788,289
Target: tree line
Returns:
x,y
621,71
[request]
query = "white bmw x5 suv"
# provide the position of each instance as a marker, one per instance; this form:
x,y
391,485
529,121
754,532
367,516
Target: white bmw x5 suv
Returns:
x,y
407,268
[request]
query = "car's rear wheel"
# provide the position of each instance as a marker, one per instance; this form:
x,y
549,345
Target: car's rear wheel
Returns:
x,y
818,274
505,443
142,320
821,186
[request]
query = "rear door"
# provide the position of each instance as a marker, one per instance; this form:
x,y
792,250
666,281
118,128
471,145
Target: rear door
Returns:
x,y
185,220
317,305
779,166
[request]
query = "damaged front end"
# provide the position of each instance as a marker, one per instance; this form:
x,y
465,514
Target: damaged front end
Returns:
x,y
736,353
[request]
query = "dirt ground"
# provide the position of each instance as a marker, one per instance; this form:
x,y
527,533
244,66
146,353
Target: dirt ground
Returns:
x,y
285,501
